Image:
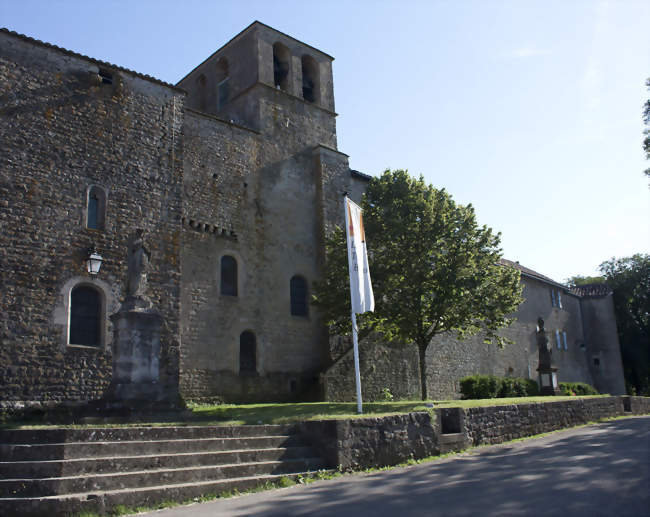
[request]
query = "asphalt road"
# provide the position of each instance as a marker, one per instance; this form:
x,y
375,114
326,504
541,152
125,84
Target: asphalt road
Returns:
x,y
599,470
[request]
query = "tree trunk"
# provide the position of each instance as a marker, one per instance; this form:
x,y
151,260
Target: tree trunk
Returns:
x,y
423,370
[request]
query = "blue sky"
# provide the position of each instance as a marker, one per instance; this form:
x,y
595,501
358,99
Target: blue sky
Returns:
x,y
531,111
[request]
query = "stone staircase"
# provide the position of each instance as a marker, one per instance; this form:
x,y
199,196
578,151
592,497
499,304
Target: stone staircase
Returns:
x,y
60,472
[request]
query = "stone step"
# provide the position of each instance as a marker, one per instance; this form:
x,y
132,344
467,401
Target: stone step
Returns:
x,y
110,434
72,450
100,501
11,488
54,468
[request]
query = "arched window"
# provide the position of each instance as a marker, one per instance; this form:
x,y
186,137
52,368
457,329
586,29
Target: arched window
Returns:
x,y
96,208
247,353
85,316
310,79
228,276
281,60
201,82
222,75
298,289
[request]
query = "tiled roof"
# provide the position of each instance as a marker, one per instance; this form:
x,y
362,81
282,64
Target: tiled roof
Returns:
x,y
590,290
360,175
93,60
530,273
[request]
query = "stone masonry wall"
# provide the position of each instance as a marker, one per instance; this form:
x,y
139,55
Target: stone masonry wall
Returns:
x,y
449,359
254,197
486,425
62,131
374,442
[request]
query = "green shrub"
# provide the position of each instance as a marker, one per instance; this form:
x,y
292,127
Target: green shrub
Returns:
x,y
491,386
577,388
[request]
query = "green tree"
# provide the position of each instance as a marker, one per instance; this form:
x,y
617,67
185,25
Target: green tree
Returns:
x,y
584,280
629,277
646,132
433,268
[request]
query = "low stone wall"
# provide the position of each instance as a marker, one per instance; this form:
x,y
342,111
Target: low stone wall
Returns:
x,y
375,442
637,405
486,425
372,442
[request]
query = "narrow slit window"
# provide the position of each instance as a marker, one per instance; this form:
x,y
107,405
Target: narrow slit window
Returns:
x,y
228,276
93,207
247,353
566,346
96,208
222,81
298,292
557,339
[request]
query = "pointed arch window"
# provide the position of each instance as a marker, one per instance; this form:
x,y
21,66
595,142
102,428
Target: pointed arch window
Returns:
x,y
298,293
86,318
228,276
247,353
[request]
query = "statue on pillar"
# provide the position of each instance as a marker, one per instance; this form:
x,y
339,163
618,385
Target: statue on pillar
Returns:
x,y
543,346
547,372
138,266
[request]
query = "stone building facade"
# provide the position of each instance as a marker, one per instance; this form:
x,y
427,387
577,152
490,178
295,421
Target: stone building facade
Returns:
x,y
235,178
580,326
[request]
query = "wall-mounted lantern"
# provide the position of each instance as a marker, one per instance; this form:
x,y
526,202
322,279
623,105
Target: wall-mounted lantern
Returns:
x,y
93,261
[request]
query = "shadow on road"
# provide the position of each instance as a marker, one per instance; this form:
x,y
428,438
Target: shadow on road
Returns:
x,y
600,470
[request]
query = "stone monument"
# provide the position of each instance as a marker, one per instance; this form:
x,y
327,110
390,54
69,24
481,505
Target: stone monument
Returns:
x,y
548,384
137,328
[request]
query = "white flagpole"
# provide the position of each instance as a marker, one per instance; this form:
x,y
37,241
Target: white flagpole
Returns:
x,y
355,337
357,373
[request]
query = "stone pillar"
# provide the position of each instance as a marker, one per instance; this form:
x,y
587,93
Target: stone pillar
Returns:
x,y
136,353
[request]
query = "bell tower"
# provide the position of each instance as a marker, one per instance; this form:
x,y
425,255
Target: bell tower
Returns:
x,y
263,78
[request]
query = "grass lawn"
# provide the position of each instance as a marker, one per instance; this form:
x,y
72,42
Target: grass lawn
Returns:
x,y
246,414
231,414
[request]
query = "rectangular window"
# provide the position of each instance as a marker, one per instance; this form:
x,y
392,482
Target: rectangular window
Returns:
x,y
566,347
557,339
556,298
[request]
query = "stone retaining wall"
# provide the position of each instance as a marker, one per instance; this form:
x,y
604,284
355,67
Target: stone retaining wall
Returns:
x,y
374,442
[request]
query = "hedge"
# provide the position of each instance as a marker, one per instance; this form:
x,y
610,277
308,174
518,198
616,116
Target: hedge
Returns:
x,y
491,386
577,388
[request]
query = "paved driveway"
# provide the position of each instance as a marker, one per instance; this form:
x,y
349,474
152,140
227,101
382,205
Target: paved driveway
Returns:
x,y
600,470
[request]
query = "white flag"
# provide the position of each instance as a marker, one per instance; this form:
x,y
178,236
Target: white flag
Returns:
x,y
360,287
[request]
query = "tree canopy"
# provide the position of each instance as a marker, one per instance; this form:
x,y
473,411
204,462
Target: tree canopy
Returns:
x,y
629,277
646,132
584,280
433,268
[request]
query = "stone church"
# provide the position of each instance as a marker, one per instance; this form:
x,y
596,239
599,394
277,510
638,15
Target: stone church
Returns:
x,y
234,178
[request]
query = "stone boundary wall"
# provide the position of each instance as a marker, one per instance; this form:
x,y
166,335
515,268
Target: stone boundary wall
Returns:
x,y
372,442
496,424
375,442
